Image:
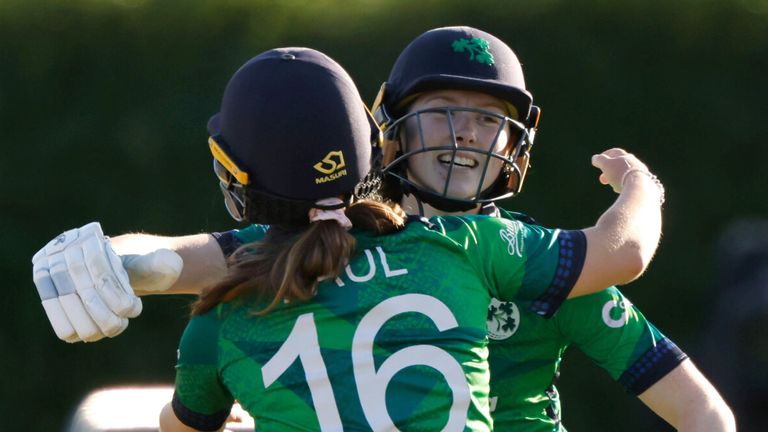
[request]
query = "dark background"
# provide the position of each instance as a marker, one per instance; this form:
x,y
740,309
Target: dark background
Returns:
x,y
103,107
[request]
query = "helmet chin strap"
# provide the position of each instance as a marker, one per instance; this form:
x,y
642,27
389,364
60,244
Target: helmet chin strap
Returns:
x,y
437,201
451,205
420,204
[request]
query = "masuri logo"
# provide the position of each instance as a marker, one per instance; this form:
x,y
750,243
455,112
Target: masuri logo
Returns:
x,y
332,166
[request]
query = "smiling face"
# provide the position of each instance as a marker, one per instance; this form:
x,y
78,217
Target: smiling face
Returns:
x,y
454,131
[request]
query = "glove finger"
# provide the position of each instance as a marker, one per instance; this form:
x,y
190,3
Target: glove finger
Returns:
x,y
50,300
59,272
49,297
111,281
59,321
105,318
109,323
129,306
84,325
64,272
41,276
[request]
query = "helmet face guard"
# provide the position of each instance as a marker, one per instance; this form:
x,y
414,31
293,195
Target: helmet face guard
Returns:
x,y
461,59
461,174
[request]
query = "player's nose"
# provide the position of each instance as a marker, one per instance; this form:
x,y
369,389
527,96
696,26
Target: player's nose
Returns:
x,y
464,127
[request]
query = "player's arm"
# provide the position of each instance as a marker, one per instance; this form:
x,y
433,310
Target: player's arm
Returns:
x,y
200,399
203,261
615,334
88,283
689,402
622,242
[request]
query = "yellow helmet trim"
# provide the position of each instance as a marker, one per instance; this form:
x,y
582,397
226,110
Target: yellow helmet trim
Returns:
x,y
226,162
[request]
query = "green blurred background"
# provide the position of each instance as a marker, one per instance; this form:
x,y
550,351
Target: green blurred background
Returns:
x,y
103,107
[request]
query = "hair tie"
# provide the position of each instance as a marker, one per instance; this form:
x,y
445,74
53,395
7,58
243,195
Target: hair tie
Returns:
x,y
337,214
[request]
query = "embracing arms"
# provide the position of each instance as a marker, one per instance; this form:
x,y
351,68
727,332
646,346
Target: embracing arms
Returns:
x,y
619,248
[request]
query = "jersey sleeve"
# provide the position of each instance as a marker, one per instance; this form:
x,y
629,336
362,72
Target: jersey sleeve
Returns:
x,y
612,332
230,240
530,264
200,400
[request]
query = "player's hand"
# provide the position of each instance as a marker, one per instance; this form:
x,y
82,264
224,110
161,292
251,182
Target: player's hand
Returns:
x,y
85,289
615,163
239,419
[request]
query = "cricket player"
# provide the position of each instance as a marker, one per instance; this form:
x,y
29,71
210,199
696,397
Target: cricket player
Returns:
x,y
450,73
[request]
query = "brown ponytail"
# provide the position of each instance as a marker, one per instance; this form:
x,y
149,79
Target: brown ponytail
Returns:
x,y
287,264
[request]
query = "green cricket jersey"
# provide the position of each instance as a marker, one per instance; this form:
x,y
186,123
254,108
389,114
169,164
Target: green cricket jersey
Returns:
x,y
526,351
398,340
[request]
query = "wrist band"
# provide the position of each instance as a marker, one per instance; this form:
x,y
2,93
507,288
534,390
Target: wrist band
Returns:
x,y
650,175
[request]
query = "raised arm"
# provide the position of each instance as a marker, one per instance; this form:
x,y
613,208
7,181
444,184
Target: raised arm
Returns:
x,y
622,242
88,283
689,402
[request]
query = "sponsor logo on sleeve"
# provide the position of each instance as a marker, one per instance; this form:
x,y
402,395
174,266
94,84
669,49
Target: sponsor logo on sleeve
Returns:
x,y
616,312
513,236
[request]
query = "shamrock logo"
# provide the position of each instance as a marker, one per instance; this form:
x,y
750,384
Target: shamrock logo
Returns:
x,y
502,320
477,49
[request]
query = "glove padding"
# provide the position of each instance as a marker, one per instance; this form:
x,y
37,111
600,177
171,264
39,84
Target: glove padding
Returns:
x,y
84,287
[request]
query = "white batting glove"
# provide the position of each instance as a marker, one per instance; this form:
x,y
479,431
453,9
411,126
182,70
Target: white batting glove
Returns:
x,y
85,289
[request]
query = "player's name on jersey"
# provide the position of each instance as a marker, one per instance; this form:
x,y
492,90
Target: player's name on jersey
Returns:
x,y
377,264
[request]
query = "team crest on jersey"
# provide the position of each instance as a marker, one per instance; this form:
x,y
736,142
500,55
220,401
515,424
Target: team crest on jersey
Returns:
x,y
513,236
503,319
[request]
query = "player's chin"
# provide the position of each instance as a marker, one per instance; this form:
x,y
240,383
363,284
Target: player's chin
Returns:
x,y
461,193
462,188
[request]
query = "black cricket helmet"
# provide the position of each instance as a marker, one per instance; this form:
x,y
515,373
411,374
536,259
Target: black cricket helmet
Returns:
x,y
292,130
456,58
